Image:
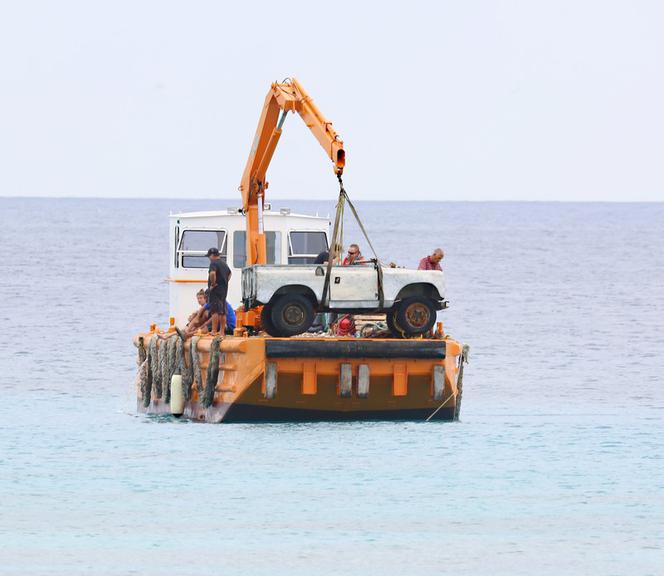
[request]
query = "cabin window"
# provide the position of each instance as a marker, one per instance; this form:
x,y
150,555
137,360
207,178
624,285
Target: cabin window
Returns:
x,y
273,245
195,244
303,247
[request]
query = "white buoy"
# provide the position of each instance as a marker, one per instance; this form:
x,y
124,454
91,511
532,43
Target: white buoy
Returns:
x,y
177,396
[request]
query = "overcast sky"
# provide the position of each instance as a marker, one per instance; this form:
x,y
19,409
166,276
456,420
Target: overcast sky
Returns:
x,y
434,100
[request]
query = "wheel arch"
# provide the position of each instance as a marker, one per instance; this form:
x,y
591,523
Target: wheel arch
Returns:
x,y
305,291
419,289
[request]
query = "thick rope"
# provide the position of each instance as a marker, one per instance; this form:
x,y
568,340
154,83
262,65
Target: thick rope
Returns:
x,y
336,243
196,364
179,362
163,370
155,371
171,365
212,373
143,372
188,371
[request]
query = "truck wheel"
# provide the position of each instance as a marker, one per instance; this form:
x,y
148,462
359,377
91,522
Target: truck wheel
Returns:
x,y
416,315
292,314
266,321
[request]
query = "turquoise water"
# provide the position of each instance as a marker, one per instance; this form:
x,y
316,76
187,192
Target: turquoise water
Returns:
x,y
557,465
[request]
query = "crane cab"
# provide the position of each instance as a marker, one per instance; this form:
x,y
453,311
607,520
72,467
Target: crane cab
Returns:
x,y
291,239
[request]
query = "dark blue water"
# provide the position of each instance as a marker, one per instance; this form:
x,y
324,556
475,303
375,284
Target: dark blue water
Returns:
x,y
557,466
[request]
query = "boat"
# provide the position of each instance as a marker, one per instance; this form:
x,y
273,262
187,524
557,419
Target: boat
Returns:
x,y
251,376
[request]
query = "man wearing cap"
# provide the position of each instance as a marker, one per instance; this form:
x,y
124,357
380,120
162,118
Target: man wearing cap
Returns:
x,y
218,276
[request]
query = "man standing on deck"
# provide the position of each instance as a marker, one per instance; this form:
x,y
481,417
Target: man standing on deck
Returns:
x,y
432,262
218,276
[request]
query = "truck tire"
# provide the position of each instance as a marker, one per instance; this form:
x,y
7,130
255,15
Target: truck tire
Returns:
x,y
292,314
416,315
266,321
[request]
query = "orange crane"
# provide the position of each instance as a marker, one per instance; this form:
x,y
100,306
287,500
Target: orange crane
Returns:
x,y
288,96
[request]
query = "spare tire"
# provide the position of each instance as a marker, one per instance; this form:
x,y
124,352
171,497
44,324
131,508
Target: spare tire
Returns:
x,y
292,314
416,315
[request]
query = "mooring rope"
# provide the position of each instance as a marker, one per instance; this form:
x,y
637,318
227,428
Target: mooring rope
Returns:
x,y
196,366
179,360
163,369
155,372
143,372
169,353
187,371
212,373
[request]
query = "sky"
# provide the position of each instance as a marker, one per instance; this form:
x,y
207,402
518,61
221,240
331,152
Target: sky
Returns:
x,y
521,100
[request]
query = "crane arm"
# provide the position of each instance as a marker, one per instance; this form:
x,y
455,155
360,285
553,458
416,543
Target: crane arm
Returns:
x,y
281,98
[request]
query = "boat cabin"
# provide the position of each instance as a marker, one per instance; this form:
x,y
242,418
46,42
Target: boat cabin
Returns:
x,y
291,239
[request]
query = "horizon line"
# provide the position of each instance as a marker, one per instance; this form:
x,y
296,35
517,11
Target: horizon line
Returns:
x,y
231,200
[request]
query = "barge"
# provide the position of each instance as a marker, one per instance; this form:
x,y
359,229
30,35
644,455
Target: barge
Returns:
x,y
249,375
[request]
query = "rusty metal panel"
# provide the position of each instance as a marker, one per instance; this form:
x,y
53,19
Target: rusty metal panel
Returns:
x,y
345,380
270,380
363,374
438,381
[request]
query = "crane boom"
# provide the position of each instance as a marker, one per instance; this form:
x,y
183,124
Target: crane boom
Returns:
x,y
282,98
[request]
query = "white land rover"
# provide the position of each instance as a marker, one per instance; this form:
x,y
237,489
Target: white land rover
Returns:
x,y
292,295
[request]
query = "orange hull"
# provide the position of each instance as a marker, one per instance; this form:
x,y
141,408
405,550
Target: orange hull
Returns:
x,y
310,379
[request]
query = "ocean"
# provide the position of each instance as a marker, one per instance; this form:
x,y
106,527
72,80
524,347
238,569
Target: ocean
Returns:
x,y
556,466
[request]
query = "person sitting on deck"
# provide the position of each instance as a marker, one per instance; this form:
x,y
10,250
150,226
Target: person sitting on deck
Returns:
x,y
354,256
432,262
218,276
196,319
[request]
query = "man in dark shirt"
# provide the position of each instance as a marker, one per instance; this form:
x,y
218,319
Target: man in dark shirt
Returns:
x,y
322,258
218,276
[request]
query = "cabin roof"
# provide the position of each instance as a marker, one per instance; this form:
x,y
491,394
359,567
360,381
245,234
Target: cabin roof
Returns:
x,y
236,212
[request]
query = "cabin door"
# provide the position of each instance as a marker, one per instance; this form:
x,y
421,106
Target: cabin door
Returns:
x,y
354,286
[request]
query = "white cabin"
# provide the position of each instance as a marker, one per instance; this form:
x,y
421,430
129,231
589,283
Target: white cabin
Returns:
x,y
291,239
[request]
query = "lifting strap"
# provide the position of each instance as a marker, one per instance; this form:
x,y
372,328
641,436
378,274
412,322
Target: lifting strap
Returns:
x,y
337,236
